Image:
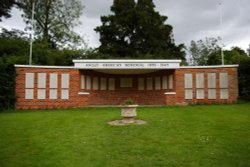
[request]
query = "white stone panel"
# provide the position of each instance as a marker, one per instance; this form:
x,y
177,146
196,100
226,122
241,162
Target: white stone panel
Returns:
x,y
157,83
149,84
53,80
29,93
29,80
141,85
103,84
211,80
65,81
41,94
199,80
164,82
88,82
95,83
170,81
53,94
188,81
82,82
111,84
224,93
65,94
126,82
223,80
199,93
41,80
211,93
188,94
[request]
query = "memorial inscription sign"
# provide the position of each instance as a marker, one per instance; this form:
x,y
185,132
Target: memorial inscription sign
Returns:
x,y
125,65
135,64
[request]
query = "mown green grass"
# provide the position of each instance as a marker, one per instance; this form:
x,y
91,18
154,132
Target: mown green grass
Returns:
x,y
201,135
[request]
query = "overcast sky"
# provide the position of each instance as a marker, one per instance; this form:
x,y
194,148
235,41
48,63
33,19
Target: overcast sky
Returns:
x,y
191,20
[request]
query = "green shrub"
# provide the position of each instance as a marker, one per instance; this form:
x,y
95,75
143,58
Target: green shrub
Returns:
x,y
7,87
244,79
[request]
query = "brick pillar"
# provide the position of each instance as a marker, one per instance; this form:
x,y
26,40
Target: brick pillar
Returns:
x,y
170,98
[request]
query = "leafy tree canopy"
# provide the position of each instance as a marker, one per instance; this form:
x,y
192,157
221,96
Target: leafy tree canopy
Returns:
x,y
235,56
248,50
244,79
14,49
205,52
208,52
5,8
53,20
136,30
7,87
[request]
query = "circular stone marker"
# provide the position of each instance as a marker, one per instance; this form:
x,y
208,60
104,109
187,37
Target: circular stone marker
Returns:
x,y
127,121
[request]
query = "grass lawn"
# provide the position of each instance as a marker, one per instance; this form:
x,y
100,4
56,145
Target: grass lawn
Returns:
x,y
201,135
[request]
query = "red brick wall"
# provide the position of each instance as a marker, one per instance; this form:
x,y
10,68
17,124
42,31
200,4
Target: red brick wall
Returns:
x,y
117,96
74,100
232,81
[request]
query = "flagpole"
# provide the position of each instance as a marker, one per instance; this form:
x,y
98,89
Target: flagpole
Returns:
x,y
31,33
222,54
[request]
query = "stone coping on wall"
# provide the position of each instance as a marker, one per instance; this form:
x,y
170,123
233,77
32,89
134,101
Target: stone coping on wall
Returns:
x,y
170,93
83,93
212,66
72,67
42,66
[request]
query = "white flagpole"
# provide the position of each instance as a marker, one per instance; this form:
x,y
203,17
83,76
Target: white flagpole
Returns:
x,y
222,54
31,32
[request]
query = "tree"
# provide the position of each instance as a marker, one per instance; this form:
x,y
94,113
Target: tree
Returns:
x,y
7,87
14,47
244,79
5,7
205,52
53,20
248,50
235,56
13,33
136,30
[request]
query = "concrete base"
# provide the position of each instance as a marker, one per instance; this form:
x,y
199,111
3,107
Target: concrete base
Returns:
x,y
127,121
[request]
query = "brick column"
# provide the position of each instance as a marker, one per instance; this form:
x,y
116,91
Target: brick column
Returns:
x,y
170,98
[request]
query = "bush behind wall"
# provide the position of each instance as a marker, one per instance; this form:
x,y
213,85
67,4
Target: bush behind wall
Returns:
x,y
7,87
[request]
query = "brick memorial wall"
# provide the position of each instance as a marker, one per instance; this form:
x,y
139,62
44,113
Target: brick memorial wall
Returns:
x,y
40,88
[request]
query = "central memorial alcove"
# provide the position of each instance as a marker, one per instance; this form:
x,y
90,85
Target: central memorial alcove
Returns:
x,y
146,87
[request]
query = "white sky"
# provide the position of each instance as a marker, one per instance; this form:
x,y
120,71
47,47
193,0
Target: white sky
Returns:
x,y
191,20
